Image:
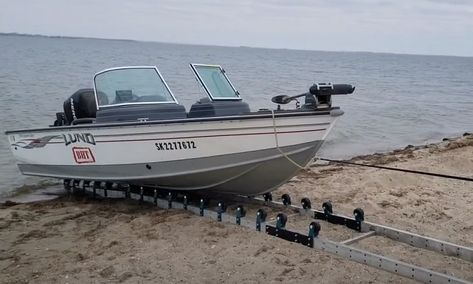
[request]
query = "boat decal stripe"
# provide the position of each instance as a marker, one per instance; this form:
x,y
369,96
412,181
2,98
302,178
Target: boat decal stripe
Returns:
x,y
209,136
183,137
206,130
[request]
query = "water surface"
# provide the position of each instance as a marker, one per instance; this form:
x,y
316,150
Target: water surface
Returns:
x,y
399,99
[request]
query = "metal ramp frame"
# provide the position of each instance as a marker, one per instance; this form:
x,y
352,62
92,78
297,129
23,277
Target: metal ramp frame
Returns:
x,y
311,239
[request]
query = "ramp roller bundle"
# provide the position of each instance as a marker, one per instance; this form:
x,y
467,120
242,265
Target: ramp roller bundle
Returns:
x,y
276,227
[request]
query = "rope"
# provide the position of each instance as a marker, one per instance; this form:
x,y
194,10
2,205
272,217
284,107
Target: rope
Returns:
x,y
399,170
307,167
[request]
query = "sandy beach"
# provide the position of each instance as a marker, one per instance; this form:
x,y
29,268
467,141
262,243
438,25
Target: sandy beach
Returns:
x,y
82,240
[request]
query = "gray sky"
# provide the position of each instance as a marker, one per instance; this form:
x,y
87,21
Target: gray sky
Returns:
x,y
402,26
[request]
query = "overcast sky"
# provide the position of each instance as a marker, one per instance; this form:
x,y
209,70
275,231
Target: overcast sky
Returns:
x,y
400,26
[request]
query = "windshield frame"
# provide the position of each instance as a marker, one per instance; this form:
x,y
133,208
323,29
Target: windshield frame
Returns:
x,y
194,67
155,68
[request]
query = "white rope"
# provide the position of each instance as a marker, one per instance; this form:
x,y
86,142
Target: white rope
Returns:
x,y
281,151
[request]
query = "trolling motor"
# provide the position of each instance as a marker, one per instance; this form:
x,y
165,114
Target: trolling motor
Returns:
x,y
319,95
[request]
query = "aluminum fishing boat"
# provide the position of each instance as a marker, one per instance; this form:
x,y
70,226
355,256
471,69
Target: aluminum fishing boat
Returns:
x,y
131,129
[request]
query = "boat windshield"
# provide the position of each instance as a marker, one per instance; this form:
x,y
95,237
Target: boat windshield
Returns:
x,y
215,82
131,85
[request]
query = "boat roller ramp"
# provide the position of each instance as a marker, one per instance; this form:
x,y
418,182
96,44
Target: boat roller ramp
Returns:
x,y
237,211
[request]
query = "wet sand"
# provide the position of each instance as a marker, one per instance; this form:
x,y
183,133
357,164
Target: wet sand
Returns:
x,y
77,240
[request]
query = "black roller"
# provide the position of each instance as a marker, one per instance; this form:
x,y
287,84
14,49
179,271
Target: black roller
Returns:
x,y
359,214
222,206
268,196
305,202
327,207
282,219
242,210
286,199
75,183
262,214
316,227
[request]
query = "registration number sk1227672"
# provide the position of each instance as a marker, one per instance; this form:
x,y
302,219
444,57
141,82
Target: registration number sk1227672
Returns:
x,y
175,145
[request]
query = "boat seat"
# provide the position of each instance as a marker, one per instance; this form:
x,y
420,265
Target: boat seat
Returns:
x,y
207,108
123,96
140,112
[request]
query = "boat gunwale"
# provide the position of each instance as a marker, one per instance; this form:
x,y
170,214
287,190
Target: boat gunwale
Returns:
x,y
252,115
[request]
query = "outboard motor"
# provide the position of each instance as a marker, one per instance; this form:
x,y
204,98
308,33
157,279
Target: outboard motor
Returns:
x,y
80,105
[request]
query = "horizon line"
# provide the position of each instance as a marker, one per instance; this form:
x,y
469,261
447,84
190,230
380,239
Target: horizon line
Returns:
x,y
227,46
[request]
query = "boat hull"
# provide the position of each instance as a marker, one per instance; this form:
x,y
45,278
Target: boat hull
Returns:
x,y
236,155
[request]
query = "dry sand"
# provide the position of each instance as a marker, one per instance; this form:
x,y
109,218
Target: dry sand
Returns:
x,y
79,240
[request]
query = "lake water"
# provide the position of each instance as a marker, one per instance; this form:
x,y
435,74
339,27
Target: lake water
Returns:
x,y
399,99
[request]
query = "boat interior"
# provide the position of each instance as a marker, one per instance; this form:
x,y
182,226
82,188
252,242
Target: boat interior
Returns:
x,y
140,93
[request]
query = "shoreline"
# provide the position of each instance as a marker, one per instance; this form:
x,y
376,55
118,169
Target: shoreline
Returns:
x,y
447,143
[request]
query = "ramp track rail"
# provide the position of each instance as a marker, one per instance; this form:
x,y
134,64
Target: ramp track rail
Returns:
x,y
199,206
